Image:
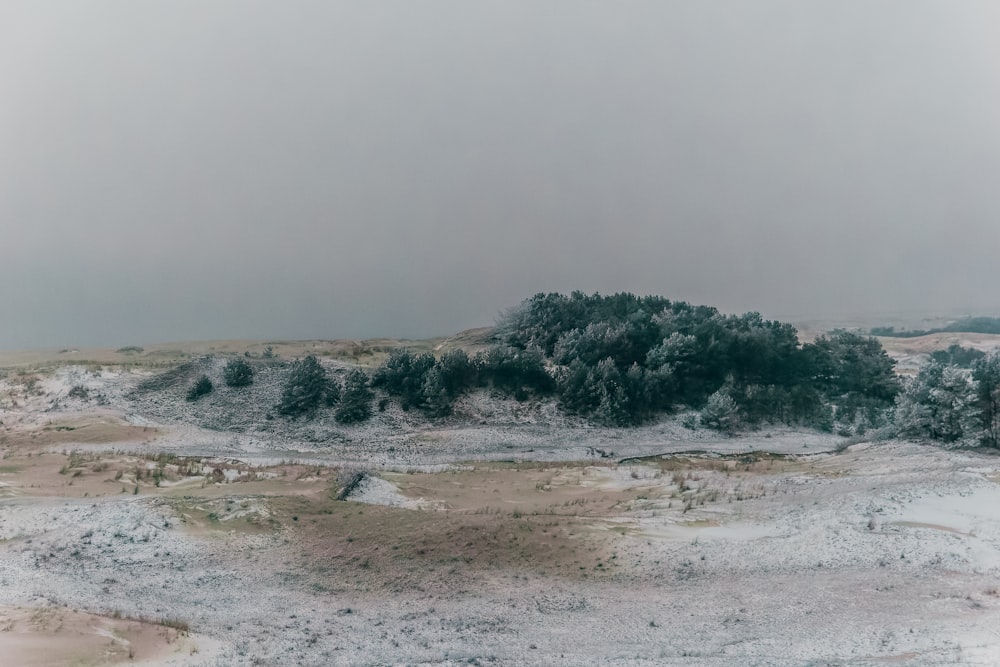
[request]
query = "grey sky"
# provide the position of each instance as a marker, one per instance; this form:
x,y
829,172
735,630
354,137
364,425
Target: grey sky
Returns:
x,y
189,169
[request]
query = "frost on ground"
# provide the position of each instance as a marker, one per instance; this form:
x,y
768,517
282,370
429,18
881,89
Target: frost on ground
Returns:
x,y
516,538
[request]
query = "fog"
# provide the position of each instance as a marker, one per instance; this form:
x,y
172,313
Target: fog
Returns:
x,y
192,170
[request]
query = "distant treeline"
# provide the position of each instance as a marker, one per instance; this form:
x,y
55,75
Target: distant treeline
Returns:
x,y
956,355
984,325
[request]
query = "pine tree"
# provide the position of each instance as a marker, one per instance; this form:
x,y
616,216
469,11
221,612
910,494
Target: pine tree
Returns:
x,y
986,373
356,399
457,371
940,404
721,412
304,389
437,399
953,404
402,374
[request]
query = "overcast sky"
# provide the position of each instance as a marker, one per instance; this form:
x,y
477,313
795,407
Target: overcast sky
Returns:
x,y
206,169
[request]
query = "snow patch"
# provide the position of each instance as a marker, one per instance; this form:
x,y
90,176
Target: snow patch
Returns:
x,y
377,491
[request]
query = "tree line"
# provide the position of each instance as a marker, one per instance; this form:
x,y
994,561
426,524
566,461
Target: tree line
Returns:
x,y
983,325
622,360
952,404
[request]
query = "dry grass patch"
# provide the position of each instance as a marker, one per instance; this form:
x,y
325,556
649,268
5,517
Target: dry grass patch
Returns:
x,y
78,474
208,516
350,546
370,352
578,490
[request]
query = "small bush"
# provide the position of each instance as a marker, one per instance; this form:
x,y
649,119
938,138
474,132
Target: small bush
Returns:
x,y
238,373
176,624
201,388
79,391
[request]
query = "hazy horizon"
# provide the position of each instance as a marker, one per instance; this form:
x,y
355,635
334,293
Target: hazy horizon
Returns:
x,y
240,169
901,319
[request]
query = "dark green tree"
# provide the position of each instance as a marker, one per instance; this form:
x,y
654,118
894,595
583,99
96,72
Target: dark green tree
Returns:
x,y
331,394
305,388
437,400
513,370
957,355
986,373
673,371
356,399
402,374
604,393
846,362
622,397
457,372
579,391
940,404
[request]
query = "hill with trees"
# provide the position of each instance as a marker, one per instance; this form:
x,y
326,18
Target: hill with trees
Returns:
x,y
619,360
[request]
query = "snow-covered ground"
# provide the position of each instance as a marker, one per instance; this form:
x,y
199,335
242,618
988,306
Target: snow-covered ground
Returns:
x,y
883,553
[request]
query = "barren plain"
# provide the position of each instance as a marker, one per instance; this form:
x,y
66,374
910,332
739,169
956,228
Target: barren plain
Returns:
x,y
138,528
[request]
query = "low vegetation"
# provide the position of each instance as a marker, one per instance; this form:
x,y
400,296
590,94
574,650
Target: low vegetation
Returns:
x,y
238,373
956,355
982,325
202,387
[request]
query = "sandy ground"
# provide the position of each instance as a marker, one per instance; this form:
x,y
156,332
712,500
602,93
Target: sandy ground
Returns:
x,y
40,636
504,542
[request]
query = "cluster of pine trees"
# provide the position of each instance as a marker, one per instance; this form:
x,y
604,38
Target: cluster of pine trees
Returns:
x,y
420,381
417,381
953,404
621,359
309,387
